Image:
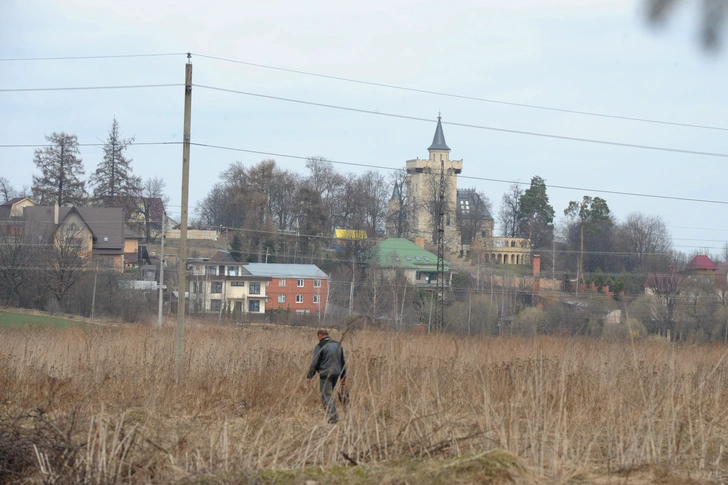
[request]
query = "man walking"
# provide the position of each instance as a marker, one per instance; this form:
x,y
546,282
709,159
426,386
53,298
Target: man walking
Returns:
x,y
328,361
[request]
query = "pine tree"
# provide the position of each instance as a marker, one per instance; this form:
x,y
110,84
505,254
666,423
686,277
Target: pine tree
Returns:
x,y
60,167
113,177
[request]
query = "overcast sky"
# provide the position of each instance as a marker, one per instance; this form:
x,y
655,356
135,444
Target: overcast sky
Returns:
x,y
596,56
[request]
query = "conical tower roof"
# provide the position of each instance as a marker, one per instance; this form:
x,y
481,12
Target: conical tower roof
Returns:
x,y
438,141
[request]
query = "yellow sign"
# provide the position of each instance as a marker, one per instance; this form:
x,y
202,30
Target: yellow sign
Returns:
x,y
350,234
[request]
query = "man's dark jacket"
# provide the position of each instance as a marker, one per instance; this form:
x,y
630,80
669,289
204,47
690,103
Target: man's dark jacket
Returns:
x,y
328,360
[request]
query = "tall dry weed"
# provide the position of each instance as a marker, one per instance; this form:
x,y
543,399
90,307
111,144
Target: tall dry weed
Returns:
x,y
562,405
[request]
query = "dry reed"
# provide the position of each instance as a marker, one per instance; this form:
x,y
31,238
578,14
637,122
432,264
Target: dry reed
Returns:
x,y
101,404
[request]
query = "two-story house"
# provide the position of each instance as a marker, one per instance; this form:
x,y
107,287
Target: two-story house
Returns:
x,y
299,288
95,234
222,284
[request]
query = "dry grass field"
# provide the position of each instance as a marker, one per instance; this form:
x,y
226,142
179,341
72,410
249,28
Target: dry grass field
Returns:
x,y
99,404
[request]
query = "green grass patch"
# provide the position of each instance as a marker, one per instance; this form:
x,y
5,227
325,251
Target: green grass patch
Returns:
x,y
19,320
496,468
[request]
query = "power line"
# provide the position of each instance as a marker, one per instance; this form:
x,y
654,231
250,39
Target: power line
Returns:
x,y
469,125
74,58
89,88
30,145
564,187
458,96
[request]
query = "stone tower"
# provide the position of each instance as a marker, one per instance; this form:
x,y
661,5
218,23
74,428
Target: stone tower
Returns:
x,y
423,186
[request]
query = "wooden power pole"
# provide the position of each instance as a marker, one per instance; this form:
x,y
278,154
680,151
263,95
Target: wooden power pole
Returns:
x,y
182,278
161,275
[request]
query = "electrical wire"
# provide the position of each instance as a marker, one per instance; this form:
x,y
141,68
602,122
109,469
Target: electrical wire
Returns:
x,y
89,88
486,179
458,96
469,125
74,58
30,145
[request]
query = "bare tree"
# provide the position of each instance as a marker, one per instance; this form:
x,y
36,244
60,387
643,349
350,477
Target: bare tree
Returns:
x,y
508,213
473,216
324,179
645,241
65,258
7,191
60,171
375,194
16,257
152,193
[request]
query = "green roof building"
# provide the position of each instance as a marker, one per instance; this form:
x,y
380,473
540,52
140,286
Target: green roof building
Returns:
x,y
418,265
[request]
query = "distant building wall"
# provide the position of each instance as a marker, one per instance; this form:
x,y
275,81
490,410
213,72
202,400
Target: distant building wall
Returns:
x,y
193,234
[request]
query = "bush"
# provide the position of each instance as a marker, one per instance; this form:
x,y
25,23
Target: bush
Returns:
x,y
528,321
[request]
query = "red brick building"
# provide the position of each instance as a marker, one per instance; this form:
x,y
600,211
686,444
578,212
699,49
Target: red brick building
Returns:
x,y
298,288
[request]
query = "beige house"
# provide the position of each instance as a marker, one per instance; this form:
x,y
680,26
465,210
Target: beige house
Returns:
x,y
13,208
222,284
95,234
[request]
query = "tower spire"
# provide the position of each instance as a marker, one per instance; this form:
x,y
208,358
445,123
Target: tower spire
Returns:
x,y
438,141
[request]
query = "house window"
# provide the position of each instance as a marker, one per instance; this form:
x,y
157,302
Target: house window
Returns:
x,y
216,287
211,270
281,298
299,298
215,305
254,288
237,283
282,282
300,283
417,275
233,271
317,283
317,298
254,306
417,258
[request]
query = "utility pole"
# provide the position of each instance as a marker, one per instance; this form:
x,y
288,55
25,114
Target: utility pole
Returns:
x,y
440,307
93,297
161,275
182,288
60,175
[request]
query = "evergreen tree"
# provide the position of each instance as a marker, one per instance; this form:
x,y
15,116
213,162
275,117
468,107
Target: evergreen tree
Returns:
x,y
535,214
60,168
113,177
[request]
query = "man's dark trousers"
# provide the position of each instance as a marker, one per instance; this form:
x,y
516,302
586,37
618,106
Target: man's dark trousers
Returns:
x,y
327,385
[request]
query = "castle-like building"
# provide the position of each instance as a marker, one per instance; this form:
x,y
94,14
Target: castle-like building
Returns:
x,y
468,225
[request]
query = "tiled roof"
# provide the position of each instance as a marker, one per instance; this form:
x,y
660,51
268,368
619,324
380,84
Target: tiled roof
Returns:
x,y
701,261
105,223
13,201
402,253
279,270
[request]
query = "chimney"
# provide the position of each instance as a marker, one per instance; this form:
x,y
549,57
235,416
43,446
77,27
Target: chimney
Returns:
x,y
420,241
536,262
55,214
